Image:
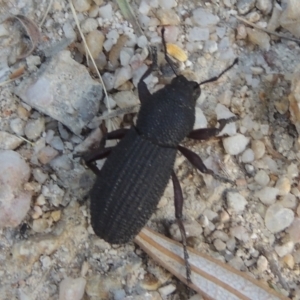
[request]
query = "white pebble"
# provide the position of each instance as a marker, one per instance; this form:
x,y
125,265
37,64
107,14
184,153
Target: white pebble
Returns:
x,y
9,141
204,18
122,75
225,98
235,144
198,34
15,202
294,231
69,31
89,25
124,58
219,245
278,218
240,233
34,128
144,7
17,126
95,40
105,11
108,80
39,175
267,195
285,249
126,98
262,178
82,5
262,264
258,148
167,290
72,288
236,202
167,4
142,41
247,156
200,121
46,154
284,186
223,112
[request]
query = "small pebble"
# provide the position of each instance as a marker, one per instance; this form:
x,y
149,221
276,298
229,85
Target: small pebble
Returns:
x,y
244,6
72,288
240,233
283,185
278,218
267,195
219,245
289,201
247,156
57,143
284,249
235,144
259,38
82,5
95,40
126,98
167,290
40,225
9,141
106,11
231,244
236,202
262,264
167,4
17,126
150,282
265,6
46,154
55,215
122,75
34,128
167,17
289,261
198,34
142,41
204,18
294,231
262,178
241,32
200,121
258,148
237,263
192,229
88,25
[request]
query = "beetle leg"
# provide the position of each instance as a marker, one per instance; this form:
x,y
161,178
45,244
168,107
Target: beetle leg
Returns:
x,y
197,162
206,133
178,203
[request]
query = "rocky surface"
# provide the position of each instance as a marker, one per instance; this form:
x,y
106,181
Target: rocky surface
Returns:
x,y
52,113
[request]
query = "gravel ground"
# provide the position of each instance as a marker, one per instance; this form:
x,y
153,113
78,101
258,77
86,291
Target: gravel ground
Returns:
x,y
51,110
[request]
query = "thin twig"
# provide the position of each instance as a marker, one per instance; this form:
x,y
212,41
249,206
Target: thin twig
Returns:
x,y
90,55
267,31
46,13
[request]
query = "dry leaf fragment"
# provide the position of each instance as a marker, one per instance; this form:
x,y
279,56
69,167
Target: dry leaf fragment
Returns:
x,y
176,52
31,30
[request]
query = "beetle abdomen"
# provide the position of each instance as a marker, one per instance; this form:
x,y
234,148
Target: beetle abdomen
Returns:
x,y
129,187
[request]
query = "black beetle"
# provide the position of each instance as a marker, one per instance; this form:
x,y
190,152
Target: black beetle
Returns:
x,y
134,177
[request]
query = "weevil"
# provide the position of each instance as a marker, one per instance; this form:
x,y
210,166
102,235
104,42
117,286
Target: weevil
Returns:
x,y
137,170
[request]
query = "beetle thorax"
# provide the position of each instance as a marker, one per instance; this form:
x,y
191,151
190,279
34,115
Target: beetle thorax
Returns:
x,y
169,116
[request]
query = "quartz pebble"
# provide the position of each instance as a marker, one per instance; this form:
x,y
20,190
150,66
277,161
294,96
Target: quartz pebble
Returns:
x,y
247,156
278,218
122,75
126,98
106,11
262,264
235,144
17,126
192,228
198,34
167,290
294,231
267,195
82,5
283,185
88,25
200,121
167,17
236,202
40,225
167,4
204,18
72,288
284,249
258,148
262,178
34,128
219,245
224,113
244,6
240,233
95,40
9,141
265,6
15,201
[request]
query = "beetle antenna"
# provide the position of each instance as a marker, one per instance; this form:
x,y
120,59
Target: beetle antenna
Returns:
x,y
217,77
169,61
